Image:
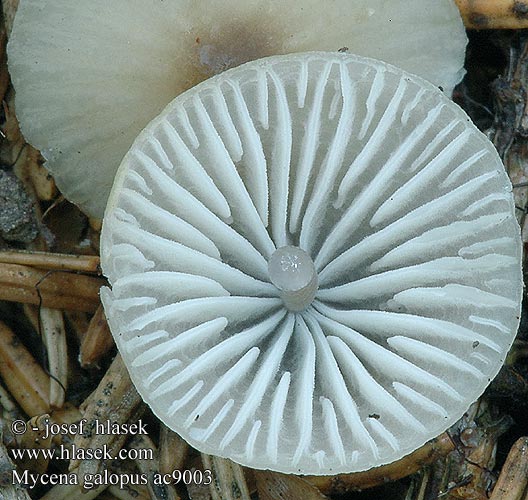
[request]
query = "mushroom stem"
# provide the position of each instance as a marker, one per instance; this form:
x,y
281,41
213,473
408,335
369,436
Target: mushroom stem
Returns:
x,y
292,271
497,14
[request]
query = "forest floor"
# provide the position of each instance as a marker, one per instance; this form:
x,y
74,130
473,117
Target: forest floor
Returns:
x,y
53,333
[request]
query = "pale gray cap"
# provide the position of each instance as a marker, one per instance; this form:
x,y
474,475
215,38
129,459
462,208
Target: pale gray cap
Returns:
x,y
90,74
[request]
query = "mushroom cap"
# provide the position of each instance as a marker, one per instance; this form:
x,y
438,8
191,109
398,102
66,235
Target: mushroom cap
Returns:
x,y
89,75
403,207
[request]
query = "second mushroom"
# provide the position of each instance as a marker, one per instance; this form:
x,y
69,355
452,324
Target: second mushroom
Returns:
x,y
89,75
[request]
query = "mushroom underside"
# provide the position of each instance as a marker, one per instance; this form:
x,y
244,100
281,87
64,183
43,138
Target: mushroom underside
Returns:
x,y
404,211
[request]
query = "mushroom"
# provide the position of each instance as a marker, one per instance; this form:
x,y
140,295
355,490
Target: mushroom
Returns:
x,y
314,261
89,75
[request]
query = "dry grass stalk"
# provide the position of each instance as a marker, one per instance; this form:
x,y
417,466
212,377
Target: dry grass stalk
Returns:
x,y
96,341
173,450
513,480
54,338
228,481
114,400
52,261
23,376
494,14
276,486
58,290
428,453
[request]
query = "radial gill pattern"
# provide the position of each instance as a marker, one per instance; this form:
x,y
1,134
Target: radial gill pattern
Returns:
x,y
314,262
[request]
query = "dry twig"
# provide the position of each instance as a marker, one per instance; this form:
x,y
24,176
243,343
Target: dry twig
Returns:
x,y
54,338
52,261
58,290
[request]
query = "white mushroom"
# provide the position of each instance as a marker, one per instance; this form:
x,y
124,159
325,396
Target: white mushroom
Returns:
x,y
315,263
89,75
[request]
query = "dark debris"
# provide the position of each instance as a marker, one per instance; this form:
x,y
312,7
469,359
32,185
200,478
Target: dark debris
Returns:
x,y
18,222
